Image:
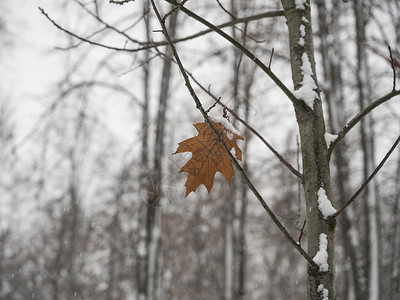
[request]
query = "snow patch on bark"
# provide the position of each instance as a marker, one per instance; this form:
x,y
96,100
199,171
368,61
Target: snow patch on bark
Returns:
x,y
304,19
307,90
324,292
302,30
321,258
324,205
302,35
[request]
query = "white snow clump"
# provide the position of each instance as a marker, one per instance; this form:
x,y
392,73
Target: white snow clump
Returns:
x,y
230,130
307,90
324,205
330,138
321,258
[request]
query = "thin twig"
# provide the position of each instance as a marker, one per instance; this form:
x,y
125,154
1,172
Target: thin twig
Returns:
x,y
225,10
302,232
213,105
384,56
77,36
393,68
340,210
174,9
108,26
76,45
120,2
276,153
270,58
233,159
358,118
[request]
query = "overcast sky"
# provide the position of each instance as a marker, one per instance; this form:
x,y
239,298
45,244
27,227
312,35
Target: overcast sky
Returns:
x,y
29,69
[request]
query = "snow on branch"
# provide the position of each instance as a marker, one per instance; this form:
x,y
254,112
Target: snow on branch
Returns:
x,y
226,124
330,138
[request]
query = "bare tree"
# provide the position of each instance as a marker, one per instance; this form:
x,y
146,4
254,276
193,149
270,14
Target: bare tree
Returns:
x,y
154,267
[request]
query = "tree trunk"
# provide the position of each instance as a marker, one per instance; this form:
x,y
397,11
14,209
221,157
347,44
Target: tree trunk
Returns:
x,y
330,49
316,174
154,193
141,250
395,278
230,202
370,193
241,291
228,245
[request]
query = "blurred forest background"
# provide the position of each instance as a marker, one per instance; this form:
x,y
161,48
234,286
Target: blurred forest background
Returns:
x,y
91,202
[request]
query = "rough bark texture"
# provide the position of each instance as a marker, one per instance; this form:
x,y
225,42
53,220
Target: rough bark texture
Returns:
x,y
316,173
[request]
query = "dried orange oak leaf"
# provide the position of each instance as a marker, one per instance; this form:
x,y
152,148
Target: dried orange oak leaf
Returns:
x,y
208,156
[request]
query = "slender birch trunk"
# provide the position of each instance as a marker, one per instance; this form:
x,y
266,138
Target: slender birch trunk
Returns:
x,y
241,291
330,49
230,203
155,196
141,249
370,193
395,277
316,174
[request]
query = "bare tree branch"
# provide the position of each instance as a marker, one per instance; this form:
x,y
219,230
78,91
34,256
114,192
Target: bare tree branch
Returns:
x,y
174,9
298,104
77,36
121,2
151,45
108,26
268,14
340,210
359,116
234,161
